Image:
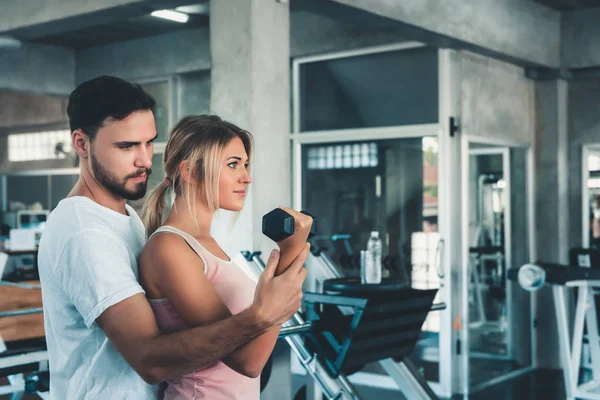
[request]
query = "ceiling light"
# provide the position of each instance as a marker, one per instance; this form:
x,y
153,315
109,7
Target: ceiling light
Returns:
x,y
171,15
9,42
198,9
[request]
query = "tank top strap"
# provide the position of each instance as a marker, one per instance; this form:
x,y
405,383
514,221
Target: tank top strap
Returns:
x,y
190,240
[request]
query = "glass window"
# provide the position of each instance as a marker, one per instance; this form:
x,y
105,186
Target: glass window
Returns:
x,y
389,186
343,156
375,90
39,145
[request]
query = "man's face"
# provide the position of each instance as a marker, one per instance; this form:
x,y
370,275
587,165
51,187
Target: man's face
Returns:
x,y
121,154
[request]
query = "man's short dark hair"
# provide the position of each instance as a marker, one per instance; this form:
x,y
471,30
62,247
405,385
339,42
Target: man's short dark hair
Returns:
x,y
102,99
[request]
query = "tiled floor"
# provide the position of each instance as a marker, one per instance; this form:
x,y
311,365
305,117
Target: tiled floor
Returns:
x,y
537,385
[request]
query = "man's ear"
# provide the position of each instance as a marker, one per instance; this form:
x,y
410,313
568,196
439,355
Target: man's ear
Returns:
x,y
81,143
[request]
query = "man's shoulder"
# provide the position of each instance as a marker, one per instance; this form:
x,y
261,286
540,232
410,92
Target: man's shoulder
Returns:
x,y
77,213
71,219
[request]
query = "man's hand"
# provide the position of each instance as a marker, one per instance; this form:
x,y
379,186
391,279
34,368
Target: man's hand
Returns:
x,y
277,298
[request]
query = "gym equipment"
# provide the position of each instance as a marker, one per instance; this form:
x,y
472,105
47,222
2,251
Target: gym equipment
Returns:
x,y
386,323
492,280
278,225
490,229
583,278
334,388
353,324
21,357
25,357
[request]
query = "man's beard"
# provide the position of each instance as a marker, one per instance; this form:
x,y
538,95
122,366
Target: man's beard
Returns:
x,y
116,187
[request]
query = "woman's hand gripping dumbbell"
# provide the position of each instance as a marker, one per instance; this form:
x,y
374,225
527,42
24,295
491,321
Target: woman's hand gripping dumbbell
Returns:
x,y
290,229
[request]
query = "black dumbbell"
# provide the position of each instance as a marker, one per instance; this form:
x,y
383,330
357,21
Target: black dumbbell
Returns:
x,y
278,225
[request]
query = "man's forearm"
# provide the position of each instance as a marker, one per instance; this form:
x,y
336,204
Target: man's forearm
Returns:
x,y
175,354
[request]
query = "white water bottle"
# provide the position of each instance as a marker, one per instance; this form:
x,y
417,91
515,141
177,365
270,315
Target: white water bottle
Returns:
x,y
373,259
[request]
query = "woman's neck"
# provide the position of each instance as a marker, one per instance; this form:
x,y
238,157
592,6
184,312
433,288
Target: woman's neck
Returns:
x,y
182,218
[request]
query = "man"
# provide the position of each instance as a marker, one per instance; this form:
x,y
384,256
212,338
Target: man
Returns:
x,y
103,342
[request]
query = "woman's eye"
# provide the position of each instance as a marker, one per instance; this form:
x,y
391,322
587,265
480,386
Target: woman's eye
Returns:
x,y
232,165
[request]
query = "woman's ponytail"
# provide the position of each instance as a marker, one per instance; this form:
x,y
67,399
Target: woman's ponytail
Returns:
x,y
155,207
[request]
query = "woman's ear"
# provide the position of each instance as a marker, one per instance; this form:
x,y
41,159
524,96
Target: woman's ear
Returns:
x,y
187,174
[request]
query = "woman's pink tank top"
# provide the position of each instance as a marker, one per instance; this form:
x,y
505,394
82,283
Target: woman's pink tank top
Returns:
x,y
236,289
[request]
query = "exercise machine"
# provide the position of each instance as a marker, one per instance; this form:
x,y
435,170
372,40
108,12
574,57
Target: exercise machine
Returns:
x,y
350,324
581,276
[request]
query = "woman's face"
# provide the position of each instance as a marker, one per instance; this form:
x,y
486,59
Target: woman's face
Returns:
x,y
234,177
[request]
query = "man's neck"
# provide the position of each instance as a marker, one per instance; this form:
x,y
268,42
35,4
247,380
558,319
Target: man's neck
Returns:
x,y
88,187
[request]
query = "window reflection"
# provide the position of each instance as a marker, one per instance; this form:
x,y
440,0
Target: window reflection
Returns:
x,y
389,186
344,93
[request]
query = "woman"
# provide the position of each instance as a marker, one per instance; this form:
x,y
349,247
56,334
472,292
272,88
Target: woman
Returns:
x,y
188,278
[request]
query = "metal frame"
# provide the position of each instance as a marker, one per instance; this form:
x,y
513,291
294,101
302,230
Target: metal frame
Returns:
x,y
571,352
38,172
450,369
439,130
505,145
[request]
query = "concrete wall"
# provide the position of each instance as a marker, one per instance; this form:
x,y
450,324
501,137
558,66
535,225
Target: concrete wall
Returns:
x,y
496,99
580,46
21,109
187,51
38,69
313,34
156,56
193,94
524,31
519,310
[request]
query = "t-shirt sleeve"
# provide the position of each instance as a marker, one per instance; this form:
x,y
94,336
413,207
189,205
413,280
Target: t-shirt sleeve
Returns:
x,y
95,272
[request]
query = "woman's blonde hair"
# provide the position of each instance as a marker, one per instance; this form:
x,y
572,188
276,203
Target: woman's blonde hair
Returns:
x,y
197,142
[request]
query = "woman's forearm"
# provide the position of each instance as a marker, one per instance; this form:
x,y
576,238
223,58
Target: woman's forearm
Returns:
x,y
250,358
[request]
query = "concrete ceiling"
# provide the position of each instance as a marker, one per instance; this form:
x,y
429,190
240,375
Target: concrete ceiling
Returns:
x,y
569,5
140,24
118,31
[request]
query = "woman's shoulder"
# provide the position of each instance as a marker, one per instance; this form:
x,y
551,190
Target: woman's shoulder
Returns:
x,y
163,244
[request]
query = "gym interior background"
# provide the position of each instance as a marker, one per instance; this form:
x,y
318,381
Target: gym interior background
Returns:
x,y
467,133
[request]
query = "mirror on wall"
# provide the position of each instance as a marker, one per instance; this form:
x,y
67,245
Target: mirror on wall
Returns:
x,y
496,239
486,255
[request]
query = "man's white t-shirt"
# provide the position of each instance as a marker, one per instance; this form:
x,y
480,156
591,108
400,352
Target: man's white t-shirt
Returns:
x,y
87,262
